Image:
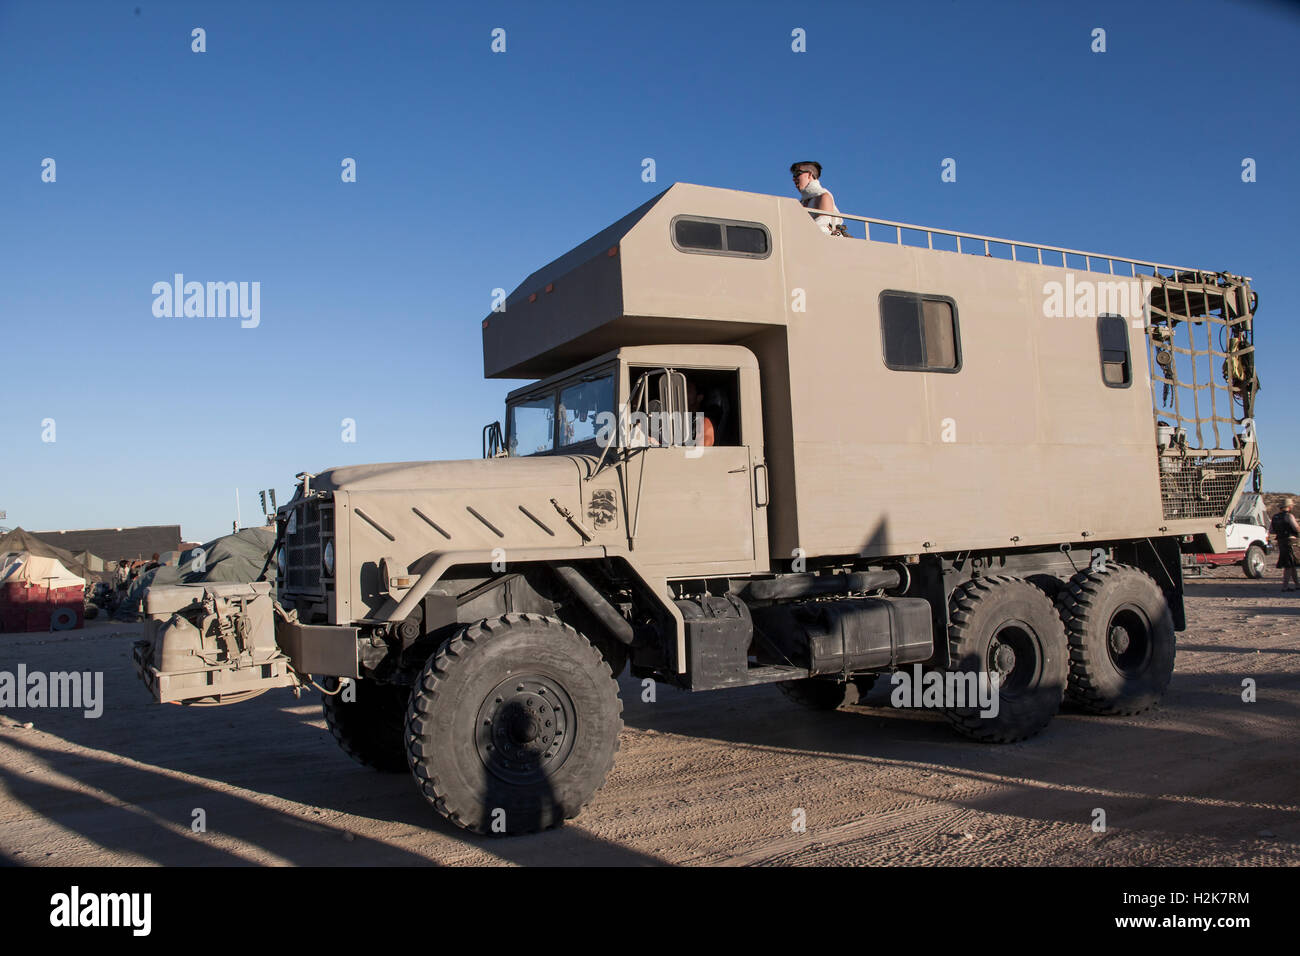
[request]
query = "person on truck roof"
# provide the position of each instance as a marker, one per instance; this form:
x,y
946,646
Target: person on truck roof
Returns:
x,y
813,195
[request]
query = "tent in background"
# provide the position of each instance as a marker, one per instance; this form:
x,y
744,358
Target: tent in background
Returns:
x,y
39,593
19,541
91,562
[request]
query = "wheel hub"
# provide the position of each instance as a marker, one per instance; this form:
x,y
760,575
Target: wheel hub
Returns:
x,y
1015,656
525,728
1129,642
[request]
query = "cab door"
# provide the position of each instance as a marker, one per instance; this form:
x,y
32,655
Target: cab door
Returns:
x,y
691,510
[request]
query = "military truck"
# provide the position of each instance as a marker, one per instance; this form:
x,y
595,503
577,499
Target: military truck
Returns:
x,y
927,452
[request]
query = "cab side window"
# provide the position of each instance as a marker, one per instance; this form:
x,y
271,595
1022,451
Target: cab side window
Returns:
x,y
718,399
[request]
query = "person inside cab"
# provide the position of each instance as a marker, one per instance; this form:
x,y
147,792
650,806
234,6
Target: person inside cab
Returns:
x,y
703,429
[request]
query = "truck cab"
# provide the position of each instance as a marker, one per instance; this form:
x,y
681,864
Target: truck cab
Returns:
x,y
650,484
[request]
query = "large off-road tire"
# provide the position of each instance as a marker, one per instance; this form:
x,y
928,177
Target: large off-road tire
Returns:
x,y
1121,635
1049,584
821,693
370,729
513,725
1253,563
1009,626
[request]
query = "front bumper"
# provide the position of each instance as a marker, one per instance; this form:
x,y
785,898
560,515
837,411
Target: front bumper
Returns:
x,y
321,650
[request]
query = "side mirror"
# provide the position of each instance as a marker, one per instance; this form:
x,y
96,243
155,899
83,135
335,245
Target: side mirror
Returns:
x,y
493,443
677,418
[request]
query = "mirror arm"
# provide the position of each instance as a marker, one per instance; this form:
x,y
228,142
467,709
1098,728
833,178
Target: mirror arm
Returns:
x,y
618,425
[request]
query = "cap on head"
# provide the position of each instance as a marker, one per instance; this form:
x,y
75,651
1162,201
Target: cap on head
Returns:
x,y
1288,504
808,167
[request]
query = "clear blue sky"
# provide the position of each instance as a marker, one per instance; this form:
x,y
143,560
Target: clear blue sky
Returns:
x,y
475,168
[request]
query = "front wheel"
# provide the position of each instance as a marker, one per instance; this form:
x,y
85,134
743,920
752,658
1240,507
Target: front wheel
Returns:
x,y
513,725
1253,564
366,719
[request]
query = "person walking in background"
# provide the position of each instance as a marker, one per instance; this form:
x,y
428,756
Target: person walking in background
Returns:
x,y
813,195
1288,544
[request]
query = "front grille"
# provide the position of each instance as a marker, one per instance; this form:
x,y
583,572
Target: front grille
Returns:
x,y
1198,487
313,525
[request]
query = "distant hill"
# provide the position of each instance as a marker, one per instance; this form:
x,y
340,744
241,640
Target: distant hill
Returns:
x,y
1273,500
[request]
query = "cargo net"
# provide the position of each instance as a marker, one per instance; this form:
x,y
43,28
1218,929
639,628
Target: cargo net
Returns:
x,y
1203,385
1196,487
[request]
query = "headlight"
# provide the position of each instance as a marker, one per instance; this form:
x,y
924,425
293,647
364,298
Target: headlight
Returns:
x,y
282,562
328,558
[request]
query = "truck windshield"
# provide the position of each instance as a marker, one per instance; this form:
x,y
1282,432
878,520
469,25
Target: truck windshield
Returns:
x,y
581,405
1250,510
531,425
582,408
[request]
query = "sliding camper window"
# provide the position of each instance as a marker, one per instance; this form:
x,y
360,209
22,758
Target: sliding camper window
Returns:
x,y
721,237
919,333
1116,362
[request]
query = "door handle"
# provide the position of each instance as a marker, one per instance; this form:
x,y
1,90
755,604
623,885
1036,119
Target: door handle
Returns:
x,y
760,486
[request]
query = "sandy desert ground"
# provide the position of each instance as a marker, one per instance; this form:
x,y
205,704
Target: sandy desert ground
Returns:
x,y
712,778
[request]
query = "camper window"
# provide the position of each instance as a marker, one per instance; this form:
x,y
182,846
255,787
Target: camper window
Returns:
x,y
919,332
693,234
720,237
1112,337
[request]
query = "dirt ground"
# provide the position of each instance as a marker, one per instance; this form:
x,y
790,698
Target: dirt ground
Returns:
x,y
714,778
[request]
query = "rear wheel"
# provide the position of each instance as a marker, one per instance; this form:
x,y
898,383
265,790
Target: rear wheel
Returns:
x,y
1121,635
366,720
1006,626
513,725
1253,564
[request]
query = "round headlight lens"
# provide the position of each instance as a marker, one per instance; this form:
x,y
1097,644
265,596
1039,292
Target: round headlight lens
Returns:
x,y
328,558
282,562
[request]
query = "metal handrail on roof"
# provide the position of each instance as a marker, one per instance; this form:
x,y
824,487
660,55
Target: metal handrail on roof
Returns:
x,y
1156,268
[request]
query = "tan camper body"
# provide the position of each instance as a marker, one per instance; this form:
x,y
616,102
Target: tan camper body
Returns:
x,y
1021,444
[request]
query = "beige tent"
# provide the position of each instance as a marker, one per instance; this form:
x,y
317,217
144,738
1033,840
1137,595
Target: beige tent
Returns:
x,y
91,562
32,569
